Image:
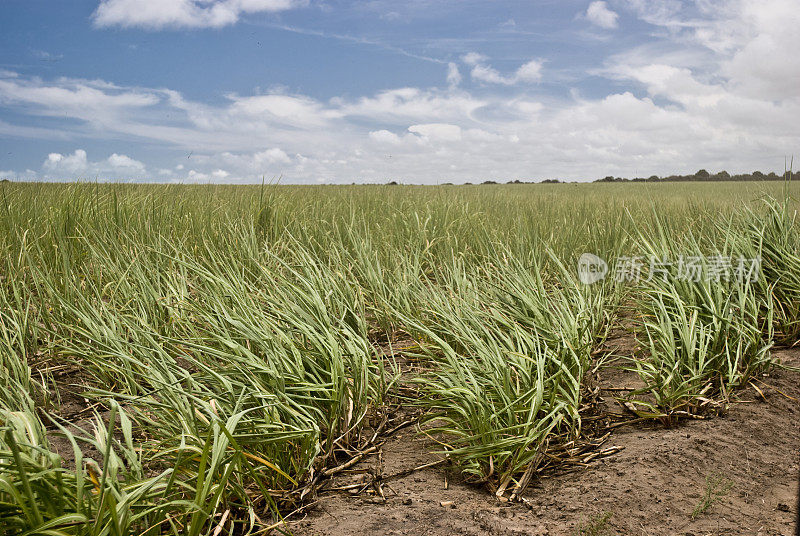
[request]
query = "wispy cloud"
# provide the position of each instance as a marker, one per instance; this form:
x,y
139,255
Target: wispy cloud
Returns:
x,y
357,40
45,56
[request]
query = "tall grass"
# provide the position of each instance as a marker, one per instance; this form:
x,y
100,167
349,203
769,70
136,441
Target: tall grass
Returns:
x,y
706,321
509,350
776,237
229,338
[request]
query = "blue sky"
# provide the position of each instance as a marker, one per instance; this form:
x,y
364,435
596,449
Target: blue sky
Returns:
x,y
371,91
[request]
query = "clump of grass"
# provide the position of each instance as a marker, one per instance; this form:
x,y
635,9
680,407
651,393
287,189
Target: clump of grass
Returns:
x,y
717,486
508,360
109,496
705,335
775,236
596,526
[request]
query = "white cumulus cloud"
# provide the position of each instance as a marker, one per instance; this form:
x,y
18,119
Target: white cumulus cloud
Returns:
x,y
159,14
482,71
600,15
125,163
78,166
71,164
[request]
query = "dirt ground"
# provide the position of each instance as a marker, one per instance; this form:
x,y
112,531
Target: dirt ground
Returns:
x,y
650,487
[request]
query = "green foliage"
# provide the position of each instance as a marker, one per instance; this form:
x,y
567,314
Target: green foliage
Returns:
x,y
776,237
509,353
229,335
597,526
706,334
717,486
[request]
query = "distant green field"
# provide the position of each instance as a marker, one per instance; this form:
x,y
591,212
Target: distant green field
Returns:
x,y
233,342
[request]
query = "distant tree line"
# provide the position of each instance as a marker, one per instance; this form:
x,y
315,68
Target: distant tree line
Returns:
x,y
703,176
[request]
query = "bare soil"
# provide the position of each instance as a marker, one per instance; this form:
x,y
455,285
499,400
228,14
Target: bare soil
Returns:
x,y
652,486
